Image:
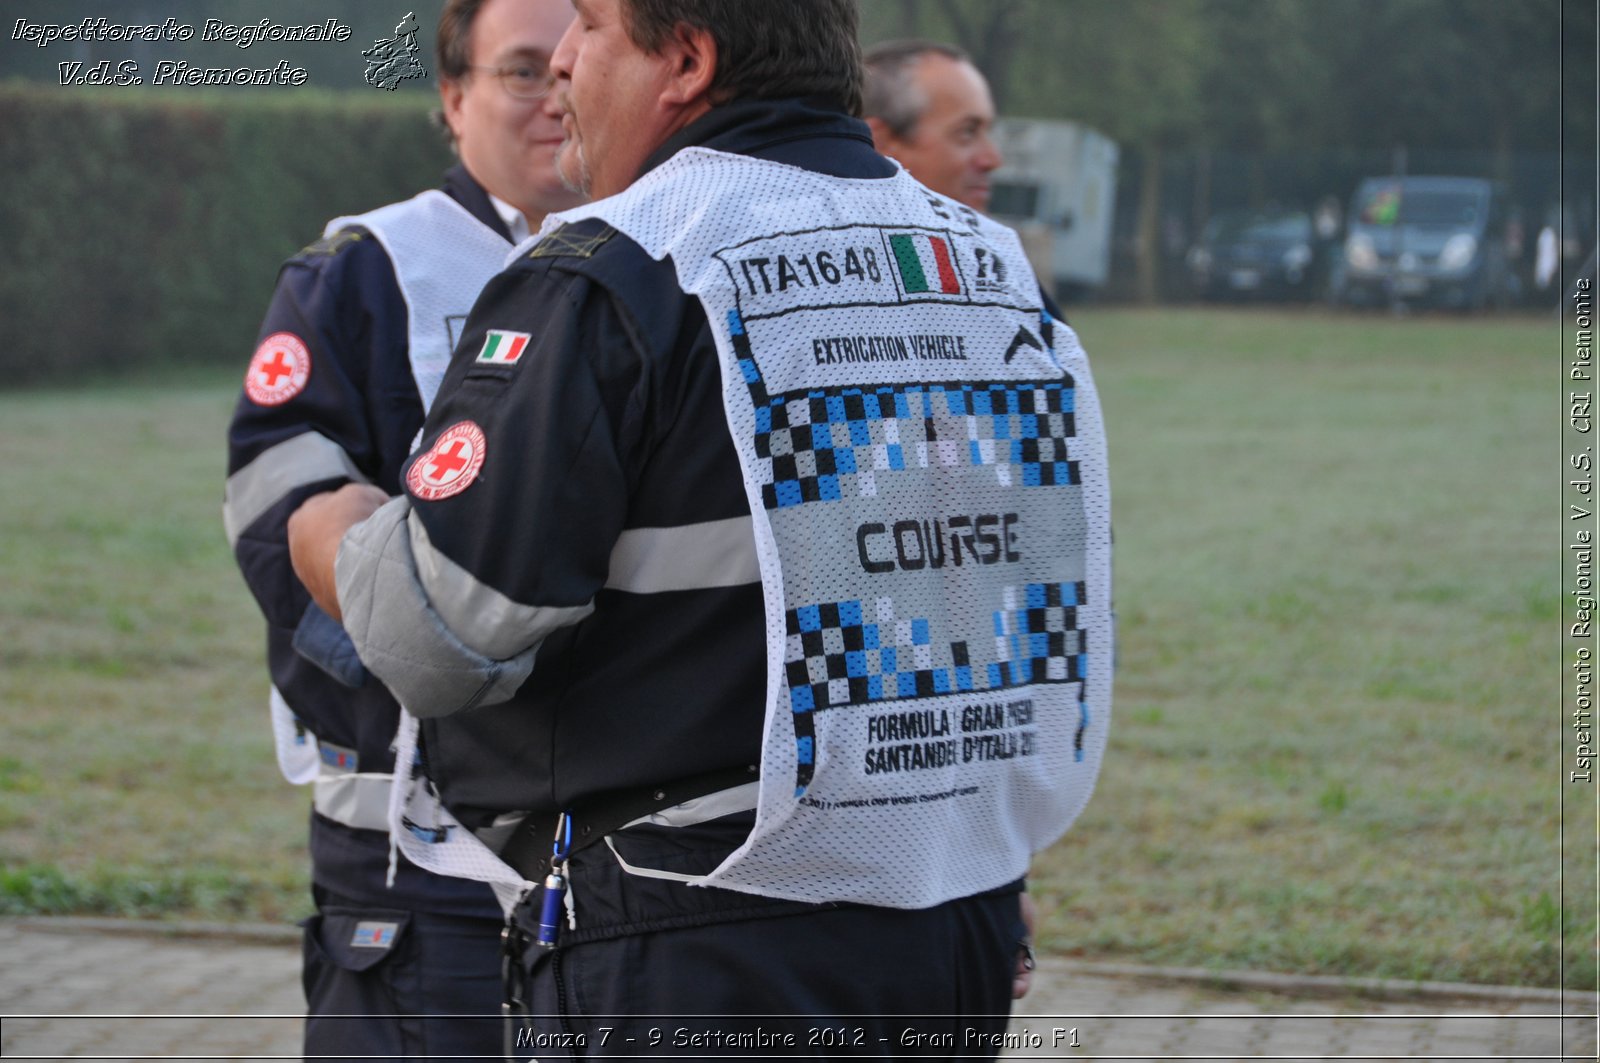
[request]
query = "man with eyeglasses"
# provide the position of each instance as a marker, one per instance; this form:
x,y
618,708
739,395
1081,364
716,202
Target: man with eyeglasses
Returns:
x,y
352,349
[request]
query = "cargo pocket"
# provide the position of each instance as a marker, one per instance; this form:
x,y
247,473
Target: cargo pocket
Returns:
x,y
355,972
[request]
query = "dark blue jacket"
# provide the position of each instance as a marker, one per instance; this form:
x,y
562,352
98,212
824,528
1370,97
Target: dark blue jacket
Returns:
x,y
618,405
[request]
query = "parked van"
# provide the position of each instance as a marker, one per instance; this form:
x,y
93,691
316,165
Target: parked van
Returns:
x,y
1435,241
1057,188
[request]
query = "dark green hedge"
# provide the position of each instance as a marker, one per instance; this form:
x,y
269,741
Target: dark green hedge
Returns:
x,y
146,228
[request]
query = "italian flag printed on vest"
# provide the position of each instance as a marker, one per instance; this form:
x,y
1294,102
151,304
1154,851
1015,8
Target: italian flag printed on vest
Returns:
x,y
925,263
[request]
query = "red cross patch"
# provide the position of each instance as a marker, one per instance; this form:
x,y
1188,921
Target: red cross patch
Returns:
x,y
450,465
279,370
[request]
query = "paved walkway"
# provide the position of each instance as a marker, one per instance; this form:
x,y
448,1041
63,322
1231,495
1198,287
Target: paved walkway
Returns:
x,y
93,989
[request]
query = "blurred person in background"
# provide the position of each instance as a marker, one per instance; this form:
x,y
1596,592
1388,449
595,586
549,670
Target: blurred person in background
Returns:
x,y
930,110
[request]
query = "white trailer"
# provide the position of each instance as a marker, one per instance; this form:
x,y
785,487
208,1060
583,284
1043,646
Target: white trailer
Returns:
x,y
1058,189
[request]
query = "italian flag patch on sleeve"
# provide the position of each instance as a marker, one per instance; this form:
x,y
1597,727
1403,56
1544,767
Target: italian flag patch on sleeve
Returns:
x,y
503,348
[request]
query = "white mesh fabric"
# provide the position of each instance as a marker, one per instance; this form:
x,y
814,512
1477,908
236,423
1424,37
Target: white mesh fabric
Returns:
x,y
413,804
298,758
442,258
928,481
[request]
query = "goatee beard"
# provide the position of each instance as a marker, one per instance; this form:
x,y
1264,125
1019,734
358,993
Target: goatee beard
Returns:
x,y
580,182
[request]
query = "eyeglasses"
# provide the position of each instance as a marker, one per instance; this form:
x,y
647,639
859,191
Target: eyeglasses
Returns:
x,y
522,80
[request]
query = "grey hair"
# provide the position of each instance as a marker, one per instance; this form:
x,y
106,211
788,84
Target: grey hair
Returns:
x,y
891,97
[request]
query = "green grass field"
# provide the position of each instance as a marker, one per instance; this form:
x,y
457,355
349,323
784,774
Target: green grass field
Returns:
x,y
1337,745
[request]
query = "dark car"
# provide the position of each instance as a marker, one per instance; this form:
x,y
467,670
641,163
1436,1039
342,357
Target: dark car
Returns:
x,y
1254,254
1432,241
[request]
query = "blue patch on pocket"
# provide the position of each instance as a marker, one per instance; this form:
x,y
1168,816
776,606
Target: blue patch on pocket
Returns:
x,y
373,935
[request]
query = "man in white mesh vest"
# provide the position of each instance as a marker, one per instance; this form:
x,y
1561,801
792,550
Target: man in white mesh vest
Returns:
x,y
752,579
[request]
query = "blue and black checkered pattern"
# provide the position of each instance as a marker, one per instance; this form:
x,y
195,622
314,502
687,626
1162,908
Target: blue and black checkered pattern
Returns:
x,y
827,444
837,655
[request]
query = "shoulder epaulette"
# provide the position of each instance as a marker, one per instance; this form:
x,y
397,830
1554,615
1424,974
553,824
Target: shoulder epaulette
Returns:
x,y
564,243
331,245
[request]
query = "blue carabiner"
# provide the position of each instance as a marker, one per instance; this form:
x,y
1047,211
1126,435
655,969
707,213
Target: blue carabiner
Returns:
x,y
562,845
555,886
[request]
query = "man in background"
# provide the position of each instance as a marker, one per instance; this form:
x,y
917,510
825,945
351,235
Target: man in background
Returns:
x,y
929,109
352,349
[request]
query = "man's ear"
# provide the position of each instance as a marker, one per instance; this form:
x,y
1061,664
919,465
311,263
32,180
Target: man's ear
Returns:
x,y
450,92
693,55
882,138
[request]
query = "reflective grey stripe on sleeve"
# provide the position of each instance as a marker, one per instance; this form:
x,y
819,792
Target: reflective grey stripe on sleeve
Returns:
x,y
300,460
480,616
716,553
439,639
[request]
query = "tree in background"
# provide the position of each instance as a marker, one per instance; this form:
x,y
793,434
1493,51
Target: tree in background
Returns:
x,y
1265,77
1230,94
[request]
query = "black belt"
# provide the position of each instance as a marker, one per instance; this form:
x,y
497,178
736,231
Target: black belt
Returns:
x,y
528,849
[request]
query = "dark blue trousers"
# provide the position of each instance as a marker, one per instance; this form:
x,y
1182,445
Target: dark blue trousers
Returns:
x,y
394,984
844,981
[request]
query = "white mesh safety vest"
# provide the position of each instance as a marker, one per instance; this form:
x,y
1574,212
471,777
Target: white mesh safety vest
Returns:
x,y
923,453
296,747
433,839
442,257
